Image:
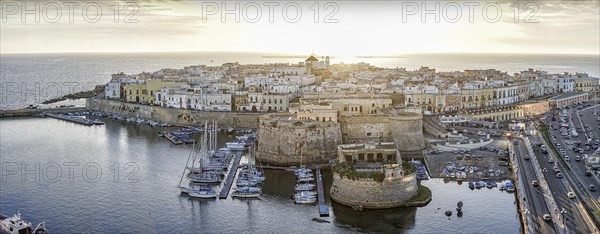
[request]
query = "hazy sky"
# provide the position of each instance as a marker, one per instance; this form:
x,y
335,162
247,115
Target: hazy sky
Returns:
x,y
362,28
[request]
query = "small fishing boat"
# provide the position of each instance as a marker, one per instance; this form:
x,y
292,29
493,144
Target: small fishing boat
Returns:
x,y
510,187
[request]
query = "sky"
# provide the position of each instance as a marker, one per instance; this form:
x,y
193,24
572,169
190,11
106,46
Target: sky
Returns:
x,y
342,28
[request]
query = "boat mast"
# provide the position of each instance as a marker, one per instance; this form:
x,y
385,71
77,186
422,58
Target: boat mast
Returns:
x,y
187,163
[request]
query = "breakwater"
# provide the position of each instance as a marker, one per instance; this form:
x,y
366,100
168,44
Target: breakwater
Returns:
x,y
36,112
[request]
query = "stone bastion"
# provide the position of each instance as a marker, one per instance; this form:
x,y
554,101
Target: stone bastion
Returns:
x,y
407,131
283,140
370,194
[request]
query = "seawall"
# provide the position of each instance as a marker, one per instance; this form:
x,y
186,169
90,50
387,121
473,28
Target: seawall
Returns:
x,y
175,116
371,194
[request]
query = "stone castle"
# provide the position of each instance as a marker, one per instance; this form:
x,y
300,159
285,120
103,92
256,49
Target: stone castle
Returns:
x,y
372,176
312,135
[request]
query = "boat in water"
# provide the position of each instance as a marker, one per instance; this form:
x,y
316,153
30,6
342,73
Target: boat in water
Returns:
x,y
16,225
235,145
199,191
304,193
305,199
305,187
510,187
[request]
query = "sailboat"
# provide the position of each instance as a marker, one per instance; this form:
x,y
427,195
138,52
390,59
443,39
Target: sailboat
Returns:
x,y
248,180
304,175
196,172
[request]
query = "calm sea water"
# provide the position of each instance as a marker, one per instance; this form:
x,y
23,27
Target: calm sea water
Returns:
x,y
32,78
136,190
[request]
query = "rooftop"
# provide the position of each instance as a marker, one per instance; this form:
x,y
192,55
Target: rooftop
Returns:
x,y
566,95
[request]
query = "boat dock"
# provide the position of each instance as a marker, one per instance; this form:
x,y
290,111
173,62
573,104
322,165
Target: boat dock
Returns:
x,y
230,176
73,119
323,208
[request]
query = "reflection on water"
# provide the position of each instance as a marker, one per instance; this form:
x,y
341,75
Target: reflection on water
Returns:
x,y
145,197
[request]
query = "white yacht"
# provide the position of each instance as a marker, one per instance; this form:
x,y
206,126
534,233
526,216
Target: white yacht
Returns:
x,y
305,187
305,199
235,145
16,225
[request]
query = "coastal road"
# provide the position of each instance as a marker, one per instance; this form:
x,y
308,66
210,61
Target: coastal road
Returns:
x,y
534,197
559,187
568,142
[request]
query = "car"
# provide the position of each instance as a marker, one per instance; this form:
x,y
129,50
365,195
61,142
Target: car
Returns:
x,y
559,175
455,151
567,158
577,158
502,163
571,195
535,183
547,217
592,188
550,160
526,157
588,173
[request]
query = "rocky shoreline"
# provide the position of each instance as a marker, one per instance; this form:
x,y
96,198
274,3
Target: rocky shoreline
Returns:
x,y
99,89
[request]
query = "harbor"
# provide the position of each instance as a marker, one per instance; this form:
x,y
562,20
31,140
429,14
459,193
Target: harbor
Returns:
x,y
160,165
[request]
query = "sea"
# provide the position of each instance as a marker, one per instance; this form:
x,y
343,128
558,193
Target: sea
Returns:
x,y
30,79
122,178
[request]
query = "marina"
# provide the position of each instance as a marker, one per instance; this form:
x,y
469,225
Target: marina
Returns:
x,y
157,178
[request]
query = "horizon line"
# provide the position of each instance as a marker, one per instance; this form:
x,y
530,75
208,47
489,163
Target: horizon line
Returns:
x,y
289,54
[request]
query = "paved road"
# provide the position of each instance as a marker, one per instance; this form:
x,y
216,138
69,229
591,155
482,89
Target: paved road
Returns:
x,y
579,167
572,216
534,197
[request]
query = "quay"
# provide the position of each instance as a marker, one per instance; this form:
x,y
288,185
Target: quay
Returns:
x,y
323,208
72,119
230,176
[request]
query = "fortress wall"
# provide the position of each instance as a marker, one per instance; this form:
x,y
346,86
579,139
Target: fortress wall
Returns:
x,y
175,116
372,194
291,142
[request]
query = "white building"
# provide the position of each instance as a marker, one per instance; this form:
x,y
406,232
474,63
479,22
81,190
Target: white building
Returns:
x,y
566,84
194,99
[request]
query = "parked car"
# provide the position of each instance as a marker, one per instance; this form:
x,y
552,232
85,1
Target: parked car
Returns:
x,y
571,195
547,217
535,183
592,188
559,175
